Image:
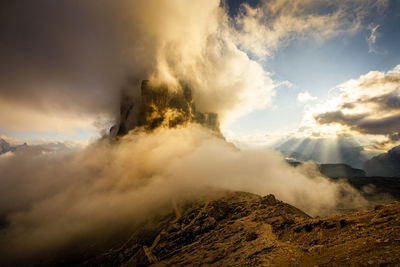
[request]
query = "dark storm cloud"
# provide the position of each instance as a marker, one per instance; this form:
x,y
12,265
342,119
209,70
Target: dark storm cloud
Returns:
x,y
387,102
369,105
362,123
59,55
389,125
339,117
71,58
392,78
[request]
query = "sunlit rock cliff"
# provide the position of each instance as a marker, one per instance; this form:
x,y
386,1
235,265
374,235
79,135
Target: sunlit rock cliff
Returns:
x,y
160,106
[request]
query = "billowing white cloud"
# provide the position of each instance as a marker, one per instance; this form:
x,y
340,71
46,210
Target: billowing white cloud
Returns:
x,y
73,73
305,97
196,46
369,105
54,201
167,42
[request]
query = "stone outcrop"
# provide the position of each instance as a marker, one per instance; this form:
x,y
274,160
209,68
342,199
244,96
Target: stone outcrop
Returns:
x,y
160,106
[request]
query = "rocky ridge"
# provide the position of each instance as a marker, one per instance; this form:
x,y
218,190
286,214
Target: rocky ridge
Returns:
x,y
243,229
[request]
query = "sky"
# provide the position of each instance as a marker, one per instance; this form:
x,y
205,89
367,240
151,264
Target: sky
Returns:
x,y
317,67
316,75
272,69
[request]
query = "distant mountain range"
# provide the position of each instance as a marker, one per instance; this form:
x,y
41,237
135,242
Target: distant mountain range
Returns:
x,y
386,164
374,188
6,147
36,149
340,170
324,150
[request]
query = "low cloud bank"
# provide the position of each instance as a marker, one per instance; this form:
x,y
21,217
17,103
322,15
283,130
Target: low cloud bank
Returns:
x,y
50,201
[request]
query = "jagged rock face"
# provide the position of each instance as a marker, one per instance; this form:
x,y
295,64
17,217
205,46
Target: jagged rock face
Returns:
x,y
161,107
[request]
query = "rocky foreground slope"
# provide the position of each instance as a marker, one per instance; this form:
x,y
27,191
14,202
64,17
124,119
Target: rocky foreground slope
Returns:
x,y
242,229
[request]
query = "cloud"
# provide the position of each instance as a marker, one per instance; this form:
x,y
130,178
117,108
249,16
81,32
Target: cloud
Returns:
x,y
371,40
54,201
367,105
305,97
63,65
265,28
67,68
196,46
60,64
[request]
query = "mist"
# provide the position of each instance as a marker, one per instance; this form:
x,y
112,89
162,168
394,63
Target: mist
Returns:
x,y
63,64
53,200
69,76
73,58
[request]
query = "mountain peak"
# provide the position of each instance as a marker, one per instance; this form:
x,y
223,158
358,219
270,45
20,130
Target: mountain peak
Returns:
x,y
160,106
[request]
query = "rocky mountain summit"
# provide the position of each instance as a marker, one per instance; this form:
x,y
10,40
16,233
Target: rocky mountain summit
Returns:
x,y
243,229
161,106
